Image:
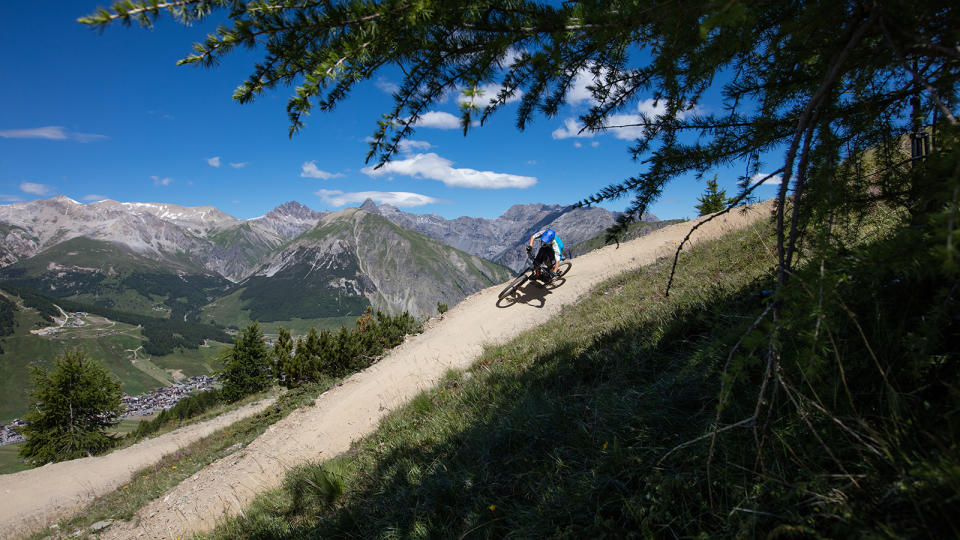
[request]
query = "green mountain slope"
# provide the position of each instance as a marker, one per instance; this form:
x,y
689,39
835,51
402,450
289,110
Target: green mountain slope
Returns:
x,y
353,259
113,276
634,230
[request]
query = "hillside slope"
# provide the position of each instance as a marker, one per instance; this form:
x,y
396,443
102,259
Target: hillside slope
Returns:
x,y
349,411
352,259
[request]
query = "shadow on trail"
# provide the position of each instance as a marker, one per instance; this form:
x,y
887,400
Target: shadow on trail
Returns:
x,y
560,430
532,293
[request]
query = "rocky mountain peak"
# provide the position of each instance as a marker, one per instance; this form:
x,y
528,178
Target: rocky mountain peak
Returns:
x,y
369,206
293,209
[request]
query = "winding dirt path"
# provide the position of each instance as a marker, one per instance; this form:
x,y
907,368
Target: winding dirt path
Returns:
x,y
352,410
33,498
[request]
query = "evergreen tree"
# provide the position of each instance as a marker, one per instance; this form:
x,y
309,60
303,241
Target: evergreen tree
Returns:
x,y
311,347
74,403
283,358
246,365
713,198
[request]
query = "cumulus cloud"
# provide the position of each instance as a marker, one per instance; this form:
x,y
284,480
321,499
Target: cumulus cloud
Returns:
x,y
438,120
434,167
624,126
214,161
386,85
400,199
10,198
310,170
571,128
93,197
36,189
157,181
239,165
774,180
407,146
487,93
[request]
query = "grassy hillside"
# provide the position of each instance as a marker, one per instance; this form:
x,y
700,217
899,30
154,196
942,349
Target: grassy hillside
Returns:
x,y
602,421
113,276
117,345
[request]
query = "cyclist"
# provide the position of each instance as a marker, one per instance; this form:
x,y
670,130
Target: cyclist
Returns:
x,y
551,252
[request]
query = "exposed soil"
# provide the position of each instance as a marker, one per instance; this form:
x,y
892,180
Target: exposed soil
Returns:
x,y
352,410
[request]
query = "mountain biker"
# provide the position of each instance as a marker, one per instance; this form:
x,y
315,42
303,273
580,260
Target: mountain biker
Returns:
x,y
551,252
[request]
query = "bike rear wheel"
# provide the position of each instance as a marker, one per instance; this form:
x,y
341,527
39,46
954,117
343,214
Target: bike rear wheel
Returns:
x,y
514,285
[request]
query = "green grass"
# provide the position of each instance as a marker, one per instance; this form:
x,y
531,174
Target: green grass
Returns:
x,y
23,349
152,482
600,422
10,459
230,311
532,440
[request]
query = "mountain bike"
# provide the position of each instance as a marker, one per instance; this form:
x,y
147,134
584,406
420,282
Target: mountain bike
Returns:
x,y
535,272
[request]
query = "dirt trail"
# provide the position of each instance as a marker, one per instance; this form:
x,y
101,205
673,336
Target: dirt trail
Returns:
x,y
352,410
33,498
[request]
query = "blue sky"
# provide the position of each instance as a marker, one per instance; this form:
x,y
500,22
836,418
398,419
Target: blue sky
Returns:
x,y
110,115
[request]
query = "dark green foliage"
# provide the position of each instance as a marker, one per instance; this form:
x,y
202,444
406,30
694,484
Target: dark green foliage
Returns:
x,y
7,310
326,354
163,335
289,295
713,199
442,308
247,367
185,409
283,359
74,402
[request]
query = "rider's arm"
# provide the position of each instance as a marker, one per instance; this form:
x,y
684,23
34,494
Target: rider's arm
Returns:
x,y
534,237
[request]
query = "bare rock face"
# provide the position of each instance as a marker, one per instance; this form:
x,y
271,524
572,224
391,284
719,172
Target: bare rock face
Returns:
x,y
502,239
210,238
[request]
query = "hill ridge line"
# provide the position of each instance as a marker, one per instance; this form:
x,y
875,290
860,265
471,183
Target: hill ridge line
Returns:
x,y
352,410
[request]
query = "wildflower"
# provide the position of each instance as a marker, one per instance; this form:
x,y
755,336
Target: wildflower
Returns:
x,y
174,467
604,445
126,486
492,507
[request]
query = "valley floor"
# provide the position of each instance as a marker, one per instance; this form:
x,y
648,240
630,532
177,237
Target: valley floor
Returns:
x,y
349,411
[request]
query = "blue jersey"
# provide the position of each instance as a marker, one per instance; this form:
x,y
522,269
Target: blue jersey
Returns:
x,y
556,244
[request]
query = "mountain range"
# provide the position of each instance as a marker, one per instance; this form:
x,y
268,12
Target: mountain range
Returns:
x,y
292,263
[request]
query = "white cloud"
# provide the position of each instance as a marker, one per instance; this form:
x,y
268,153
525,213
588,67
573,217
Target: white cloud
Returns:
x,y
157,181
10,198
578,91
571,128
407,146
438,120
400,199
309,170
532,162
624,126
53,133
595,144
36,189
93,197
488,93
386,85
774,180
434,167
214,161
576,144
240,165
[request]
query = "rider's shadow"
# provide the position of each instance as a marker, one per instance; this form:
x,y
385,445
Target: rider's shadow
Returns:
x,y
532,293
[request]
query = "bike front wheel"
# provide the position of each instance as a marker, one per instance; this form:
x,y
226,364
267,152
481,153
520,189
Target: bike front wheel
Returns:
x,y
563,268
514,285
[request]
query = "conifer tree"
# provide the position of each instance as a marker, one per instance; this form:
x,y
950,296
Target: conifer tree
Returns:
x,y
74,402
713,198
246,365
283,357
